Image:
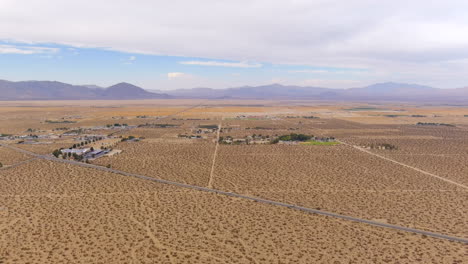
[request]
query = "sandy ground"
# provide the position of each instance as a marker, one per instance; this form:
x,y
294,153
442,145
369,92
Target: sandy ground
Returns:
x,y
10,157
56,213
187,163
63,213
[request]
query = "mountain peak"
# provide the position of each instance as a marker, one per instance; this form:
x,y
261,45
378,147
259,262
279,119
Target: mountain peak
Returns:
x,y
54,90
129,91
124,85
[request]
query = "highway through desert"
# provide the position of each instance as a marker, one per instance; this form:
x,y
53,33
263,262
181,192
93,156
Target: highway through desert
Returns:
x,y
236,195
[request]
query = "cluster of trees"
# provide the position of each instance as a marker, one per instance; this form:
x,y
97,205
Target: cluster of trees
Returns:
x,y
434,124
60,122
208,126
75,156
116,125
127,138
246,140
405,115
383,146
260,128
157,125
231,140
86,142
295,137
189,136
306,117
58,152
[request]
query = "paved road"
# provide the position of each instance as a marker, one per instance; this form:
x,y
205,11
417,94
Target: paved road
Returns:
x,y
405,165
260,200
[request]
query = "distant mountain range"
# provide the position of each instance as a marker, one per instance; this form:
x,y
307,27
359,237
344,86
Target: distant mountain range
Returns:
x,y
49,90
377,92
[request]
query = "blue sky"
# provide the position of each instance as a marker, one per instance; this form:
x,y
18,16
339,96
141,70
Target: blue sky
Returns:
x,y
104,67
160,44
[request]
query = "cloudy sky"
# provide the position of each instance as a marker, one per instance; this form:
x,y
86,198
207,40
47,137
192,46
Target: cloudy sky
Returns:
x,y
218,43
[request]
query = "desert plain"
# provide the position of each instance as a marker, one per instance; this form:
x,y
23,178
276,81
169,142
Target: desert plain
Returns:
x,y
405,165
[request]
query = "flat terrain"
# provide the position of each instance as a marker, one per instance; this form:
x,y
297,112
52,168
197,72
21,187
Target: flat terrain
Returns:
x,y
343,180
52,212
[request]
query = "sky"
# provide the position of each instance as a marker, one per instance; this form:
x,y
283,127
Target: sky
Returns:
x,y
163,45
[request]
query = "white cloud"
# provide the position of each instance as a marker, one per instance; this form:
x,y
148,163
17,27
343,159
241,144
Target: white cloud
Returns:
x,y
129,60
392,36
223,64
175,75
25,50
309,71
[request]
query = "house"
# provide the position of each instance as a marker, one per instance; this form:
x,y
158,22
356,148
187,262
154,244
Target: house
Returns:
x,y
76,151
260,141
96,154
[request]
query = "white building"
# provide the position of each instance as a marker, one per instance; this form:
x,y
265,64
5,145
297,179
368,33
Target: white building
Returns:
x,y
76,151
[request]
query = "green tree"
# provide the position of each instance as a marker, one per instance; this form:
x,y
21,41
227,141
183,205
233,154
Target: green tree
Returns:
x,y
56,153
275,141
1,165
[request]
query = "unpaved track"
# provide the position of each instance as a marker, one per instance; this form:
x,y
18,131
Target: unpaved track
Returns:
x,y
17,164
405,165
164,118
210,181
255,199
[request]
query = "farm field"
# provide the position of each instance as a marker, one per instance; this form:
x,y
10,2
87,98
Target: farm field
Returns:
x,y
62,212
